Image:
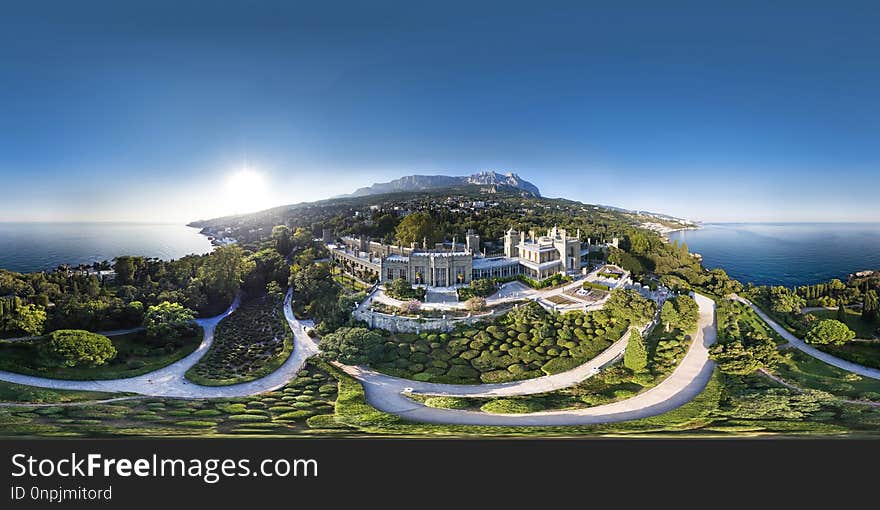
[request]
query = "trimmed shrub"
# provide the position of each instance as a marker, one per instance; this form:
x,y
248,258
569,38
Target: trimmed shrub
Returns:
x,y
511,406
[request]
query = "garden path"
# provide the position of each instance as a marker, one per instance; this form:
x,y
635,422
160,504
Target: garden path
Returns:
x,y
170,381
686,382
799,344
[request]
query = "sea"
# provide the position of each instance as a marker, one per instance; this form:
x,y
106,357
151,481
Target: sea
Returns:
x,y
30,247
788,254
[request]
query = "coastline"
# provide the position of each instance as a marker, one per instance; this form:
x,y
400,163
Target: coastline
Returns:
x,y
36,247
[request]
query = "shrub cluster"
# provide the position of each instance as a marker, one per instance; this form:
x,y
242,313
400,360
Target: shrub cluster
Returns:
x,y
527,342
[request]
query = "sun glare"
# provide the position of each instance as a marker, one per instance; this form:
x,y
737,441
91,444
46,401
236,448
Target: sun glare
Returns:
x,y
246,191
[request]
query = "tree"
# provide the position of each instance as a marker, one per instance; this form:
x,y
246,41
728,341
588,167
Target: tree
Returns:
x,y
411,306
415,228
475,304
830,331
668,315
310,281
739,358
28,319
841,313
168,320
635,357
399,288
630,305
783,300
482,287
871,307
223,272
265,266
688,312
352,346
282,239
274,290
126,269
74,347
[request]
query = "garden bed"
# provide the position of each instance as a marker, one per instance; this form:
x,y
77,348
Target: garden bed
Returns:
x,y
525,343
248,344
303,406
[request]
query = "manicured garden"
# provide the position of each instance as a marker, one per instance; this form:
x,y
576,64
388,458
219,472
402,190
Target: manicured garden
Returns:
x,y
11,392
527,342
248,344
862,353
736,319
304,406
136,354
862,327
805,371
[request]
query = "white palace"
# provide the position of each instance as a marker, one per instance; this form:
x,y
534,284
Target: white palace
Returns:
x,y
448,264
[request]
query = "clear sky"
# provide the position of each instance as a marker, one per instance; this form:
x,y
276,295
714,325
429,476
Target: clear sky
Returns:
x,y
762,111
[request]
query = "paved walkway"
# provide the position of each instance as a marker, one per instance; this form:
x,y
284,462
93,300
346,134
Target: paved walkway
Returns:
x,y
799,344
386,393
170,380
686,382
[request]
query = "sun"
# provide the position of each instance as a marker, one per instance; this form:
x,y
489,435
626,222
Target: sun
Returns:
x,y
246,191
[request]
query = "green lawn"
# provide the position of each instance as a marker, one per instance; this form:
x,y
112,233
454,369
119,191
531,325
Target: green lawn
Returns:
x,y
807,372
250,343
863,328
862,353
136,355
10,392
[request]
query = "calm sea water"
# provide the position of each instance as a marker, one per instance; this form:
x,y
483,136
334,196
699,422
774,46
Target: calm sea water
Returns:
x,y
786,253
27,247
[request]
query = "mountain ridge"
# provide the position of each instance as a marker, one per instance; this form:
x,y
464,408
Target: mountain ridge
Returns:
x,y
419,182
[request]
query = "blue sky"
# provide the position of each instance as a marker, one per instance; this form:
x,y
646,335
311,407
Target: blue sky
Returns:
x,y
141,110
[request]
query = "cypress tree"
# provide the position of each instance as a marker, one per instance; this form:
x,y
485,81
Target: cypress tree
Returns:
x,y
635,357
841,313
871,306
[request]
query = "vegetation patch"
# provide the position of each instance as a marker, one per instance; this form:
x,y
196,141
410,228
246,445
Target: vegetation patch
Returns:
x,y
256,415
136,354
527,342
248,344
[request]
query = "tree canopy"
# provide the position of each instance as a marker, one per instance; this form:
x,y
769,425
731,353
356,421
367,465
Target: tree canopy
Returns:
x,y
73,347
830,331
416,228
739,358
629,304
352,346
635,357
168,320
17,317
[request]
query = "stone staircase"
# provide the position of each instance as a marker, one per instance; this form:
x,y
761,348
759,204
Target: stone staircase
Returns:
x,y
441,295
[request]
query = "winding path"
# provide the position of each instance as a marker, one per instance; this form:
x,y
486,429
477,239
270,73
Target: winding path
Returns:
x,y
170,381
799,344
388,393
686,382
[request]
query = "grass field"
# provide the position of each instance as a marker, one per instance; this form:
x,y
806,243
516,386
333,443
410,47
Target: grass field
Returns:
x,y
10,392
136,355
808,372
863,328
